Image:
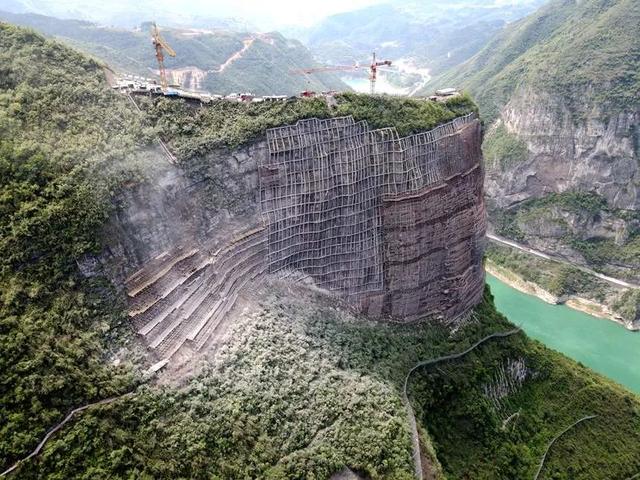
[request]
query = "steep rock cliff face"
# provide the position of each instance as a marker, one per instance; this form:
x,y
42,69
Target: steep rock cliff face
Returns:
x,y
559,90
574,189
393,225
172,206
592,150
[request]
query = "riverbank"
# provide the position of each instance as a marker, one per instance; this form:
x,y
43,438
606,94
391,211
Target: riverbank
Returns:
x,y
556,282
574,302
606,347
530,251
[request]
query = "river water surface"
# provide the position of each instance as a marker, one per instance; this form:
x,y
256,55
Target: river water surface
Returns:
x,y
602,345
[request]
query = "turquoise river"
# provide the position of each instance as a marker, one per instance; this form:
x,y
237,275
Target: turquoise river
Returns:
x,y
603,345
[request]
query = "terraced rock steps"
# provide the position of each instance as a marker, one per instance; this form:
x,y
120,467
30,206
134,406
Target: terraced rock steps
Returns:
x,y
182,296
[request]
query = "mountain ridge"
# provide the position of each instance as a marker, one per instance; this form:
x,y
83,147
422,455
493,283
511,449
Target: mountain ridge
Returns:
x,y
525,51
560,91
302,387
266,68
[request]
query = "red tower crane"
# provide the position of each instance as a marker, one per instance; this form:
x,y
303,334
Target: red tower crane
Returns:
x,y
373,70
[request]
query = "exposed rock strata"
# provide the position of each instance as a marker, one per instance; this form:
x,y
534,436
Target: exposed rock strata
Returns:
x,y
571,148
394,225
592,150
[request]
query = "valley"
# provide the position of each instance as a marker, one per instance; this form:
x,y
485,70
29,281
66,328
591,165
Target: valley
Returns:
x,y
221,61
603,346
310,281
427,37
561,145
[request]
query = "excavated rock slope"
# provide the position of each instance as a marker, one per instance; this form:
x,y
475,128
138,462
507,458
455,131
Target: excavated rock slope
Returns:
x,y
395,226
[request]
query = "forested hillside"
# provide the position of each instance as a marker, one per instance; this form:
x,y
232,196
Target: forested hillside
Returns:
x,y
566,49
304,388
264,67
66,145
560,91
419,37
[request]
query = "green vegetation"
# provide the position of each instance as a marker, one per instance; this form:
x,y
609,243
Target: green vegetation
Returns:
x,y
305,388
67,145
628,306
547,214
580,53
556,278
572,201
264,68
603,251
566,61
502,149
63,137
302,389
195,132
563,281
479,439
506,225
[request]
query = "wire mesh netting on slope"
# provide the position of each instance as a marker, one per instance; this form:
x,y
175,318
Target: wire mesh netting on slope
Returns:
x,y
365,212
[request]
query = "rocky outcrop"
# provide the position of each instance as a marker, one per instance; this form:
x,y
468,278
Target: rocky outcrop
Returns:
x,y
570,149
172,205
191,78
591,150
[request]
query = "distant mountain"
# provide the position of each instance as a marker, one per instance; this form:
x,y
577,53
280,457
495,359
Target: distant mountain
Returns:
x,y
220,61
560,91
433,34
127,14
568,48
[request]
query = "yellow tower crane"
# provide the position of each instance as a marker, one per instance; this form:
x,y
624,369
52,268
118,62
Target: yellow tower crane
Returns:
x,y
161,46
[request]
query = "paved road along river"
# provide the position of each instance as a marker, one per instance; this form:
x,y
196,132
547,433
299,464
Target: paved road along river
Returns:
x,y
604,346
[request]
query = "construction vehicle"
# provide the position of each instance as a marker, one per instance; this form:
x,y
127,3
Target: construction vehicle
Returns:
x,y
161,46
373,71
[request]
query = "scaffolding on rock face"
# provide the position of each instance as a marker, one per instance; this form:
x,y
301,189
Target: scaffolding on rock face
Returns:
x,y
324,185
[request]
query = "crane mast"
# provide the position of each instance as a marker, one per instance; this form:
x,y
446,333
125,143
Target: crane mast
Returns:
x,y
373,70
161,46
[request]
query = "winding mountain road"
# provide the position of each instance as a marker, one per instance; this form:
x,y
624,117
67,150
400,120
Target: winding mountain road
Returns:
x,y
544,457
236,56
555,258
58,426
411,414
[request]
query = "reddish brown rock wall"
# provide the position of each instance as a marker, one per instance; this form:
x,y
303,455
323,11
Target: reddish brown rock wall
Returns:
x,y
395,224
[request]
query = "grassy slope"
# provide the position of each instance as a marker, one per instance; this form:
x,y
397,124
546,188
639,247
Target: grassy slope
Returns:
x,y
195,132
568,49
468,433
63,139
264,69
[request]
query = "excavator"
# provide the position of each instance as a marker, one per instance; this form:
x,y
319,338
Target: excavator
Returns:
x,y
161,46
